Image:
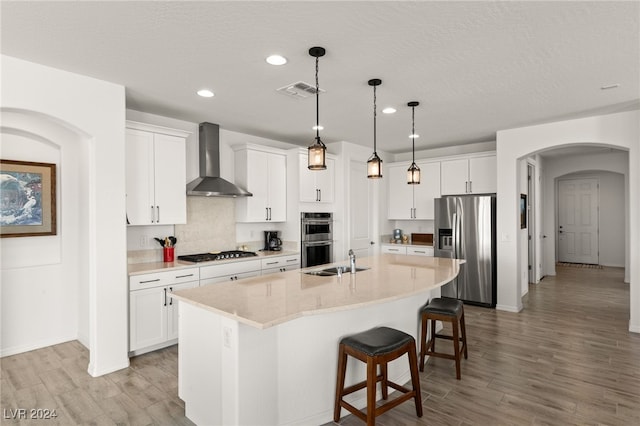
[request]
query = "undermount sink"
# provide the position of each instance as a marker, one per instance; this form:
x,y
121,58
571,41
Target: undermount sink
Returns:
x,y
328,272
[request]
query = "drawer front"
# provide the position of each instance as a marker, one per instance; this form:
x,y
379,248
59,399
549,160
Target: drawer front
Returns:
x,y
161,279
280,261
420,251
227,278
232,268
394,250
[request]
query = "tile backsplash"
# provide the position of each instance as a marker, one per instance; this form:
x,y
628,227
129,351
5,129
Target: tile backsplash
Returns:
x,y
211,225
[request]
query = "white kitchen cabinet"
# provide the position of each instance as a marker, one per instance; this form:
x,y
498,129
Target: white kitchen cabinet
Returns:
x,y
275,264
474,175
394,249
231,271
407,202
317,186
420,251
153,314
407,249
155,174
264,174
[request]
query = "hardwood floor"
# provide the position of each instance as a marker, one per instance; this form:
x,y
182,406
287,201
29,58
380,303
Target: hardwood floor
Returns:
x,y
566,359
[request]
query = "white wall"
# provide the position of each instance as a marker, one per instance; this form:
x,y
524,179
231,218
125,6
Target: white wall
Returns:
x,y
620,131
92,241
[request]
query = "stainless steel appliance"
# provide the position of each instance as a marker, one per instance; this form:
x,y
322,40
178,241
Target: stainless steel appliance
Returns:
x,y
316,235
271,241
465,228
221,255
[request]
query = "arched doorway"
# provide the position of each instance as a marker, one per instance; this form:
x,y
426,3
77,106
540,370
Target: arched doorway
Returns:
x,y
619,131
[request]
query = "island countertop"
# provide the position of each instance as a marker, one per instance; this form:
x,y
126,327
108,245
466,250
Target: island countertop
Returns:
x,y
269,300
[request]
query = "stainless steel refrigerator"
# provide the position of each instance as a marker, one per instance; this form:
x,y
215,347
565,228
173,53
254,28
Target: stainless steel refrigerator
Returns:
x,y
465,228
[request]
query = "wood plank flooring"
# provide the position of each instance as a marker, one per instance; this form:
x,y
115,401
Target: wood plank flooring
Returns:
x,y
567,359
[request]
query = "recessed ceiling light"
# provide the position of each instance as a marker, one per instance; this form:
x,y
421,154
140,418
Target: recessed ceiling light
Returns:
x,y
318,128
415,136
610,86
276,60
389,110
205,93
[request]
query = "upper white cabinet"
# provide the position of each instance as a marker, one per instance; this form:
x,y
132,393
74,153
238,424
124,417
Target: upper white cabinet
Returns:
x,y
264,174
407,202
317,186
155,174
475,175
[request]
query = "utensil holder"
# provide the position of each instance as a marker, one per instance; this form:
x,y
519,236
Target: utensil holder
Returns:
x,y
168,254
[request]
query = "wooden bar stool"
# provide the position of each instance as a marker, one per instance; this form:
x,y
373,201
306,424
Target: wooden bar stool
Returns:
x,y
374,347
443,309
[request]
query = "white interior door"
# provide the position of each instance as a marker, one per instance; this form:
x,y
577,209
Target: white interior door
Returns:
x,y
578,221
360,233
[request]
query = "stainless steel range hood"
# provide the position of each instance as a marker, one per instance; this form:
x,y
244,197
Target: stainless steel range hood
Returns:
x,y
210,184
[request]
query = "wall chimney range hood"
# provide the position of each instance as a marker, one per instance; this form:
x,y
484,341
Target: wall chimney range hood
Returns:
x,y
210,184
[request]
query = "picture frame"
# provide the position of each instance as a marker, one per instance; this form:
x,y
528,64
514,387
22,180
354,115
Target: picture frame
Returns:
x,y
27,199
523,211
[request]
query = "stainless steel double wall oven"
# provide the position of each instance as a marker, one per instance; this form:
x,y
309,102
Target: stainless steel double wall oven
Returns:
x,y
316,233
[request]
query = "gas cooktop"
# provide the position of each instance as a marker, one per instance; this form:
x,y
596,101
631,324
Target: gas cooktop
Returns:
x,y
221,255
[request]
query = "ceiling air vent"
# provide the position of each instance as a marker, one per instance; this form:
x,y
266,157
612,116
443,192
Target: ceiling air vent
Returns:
x,y
299,90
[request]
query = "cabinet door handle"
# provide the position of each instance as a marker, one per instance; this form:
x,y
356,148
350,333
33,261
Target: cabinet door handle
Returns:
x,y
319,194
272,263
150,281
471,187
151,216
269,213
291,260
165,296
266,210
170,298
157,214
184,276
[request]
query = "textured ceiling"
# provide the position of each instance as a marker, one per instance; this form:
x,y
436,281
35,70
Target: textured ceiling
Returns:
x,y
475,67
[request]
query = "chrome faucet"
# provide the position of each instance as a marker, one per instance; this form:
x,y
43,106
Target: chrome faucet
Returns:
x,y
352,261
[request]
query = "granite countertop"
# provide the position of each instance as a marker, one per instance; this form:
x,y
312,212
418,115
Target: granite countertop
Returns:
x,y
268,300
150,267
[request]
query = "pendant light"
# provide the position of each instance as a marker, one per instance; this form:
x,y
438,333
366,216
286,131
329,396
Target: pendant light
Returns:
x,y
413,173
318,151
374,164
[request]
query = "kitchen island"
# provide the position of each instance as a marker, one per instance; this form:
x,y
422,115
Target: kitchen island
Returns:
x,y
264,350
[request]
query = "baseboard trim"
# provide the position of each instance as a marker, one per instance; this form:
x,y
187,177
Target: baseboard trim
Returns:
x,y
634,328
93,372
36,345
509,308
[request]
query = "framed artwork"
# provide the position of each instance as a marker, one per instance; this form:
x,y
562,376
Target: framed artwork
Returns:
x,y
523,211
27,199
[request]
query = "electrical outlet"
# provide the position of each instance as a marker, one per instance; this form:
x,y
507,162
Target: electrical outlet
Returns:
x,y
143,241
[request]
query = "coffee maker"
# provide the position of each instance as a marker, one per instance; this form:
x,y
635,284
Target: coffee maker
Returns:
x,y
271,241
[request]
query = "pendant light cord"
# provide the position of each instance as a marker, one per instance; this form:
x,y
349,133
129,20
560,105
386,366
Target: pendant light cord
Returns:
x,y
374,120
317,103
413,134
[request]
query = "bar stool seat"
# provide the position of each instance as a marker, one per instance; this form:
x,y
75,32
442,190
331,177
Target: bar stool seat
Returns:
x,y
449,310
376,347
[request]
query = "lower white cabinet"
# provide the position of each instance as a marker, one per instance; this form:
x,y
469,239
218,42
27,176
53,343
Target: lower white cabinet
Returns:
x,y
394,249
407,249
420,251
153,314
280,264
232,271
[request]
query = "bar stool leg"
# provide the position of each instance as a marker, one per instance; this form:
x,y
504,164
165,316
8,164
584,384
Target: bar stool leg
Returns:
x,y
342,371
415,380
456,346
464,335
432,339
384,382
371,391
423,342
